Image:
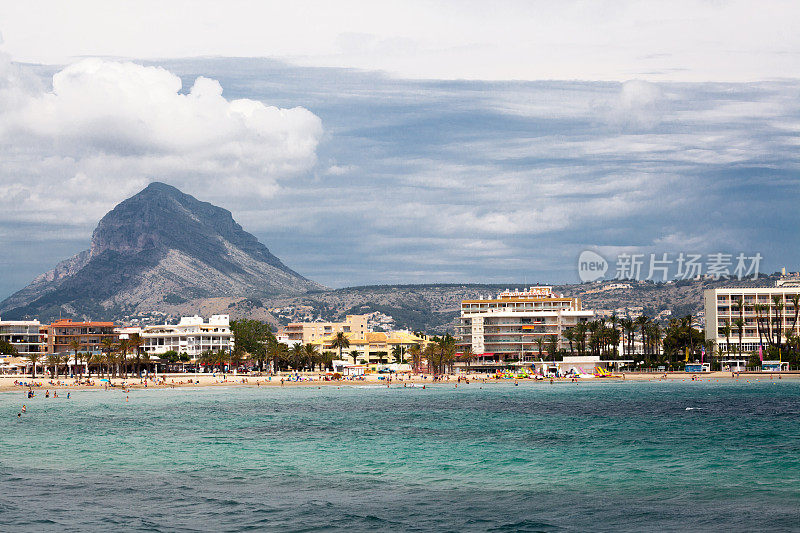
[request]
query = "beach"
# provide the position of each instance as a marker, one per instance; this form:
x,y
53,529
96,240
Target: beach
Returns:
x,y
318,379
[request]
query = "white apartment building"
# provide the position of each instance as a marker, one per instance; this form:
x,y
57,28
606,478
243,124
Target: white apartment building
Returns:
x,y
510,324
721,308
25,335
191,335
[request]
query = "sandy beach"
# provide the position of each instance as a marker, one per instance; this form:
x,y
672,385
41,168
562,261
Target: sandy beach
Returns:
x,y
19,383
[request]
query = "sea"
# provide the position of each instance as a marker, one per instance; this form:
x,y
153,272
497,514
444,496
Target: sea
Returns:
x,y
590,456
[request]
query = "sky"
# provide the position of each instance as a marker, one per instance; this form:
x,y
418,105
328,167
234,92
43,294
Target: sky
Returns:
x,y
368,142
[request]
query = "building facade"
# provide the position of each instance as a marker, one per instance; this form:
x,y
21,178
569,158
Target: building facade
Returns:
x,y
90,336
24,335
507,327
722,308
374,348
306,332
191,335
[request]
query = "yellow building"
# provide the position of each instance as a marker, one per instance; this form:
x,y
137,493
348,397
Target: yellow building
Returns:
x,y
371,348
308,332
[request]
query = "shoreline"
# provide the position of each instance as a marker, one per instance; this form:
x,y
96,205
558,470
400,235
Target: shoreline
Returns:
x,y
175,381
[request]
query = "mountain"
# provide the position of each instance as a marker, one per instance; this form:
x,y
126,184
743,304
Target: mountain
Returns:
x,y
156,249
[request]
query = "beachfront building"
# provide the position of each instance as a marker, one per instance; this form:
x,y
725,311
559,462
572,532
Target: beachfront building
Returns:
x,y
507,327
761,318
24,335
374,349
90,335
306,332
191,335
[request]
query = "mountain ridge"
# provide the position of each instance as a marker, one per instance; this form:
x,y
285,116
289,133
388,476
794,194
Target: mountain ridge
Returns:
x,y
158,242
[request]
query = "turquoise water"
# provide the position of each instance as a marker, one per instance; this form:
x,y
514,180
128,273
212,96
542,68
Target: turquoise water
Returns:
x,y
567,457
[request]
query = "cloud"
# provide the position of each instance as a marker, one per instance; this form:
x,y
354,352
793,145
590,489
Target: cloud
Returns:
x,y
639,105
107,128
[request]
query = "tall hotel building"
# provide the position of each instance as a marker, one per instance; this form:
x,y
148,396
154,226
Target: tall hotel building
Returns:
x,y
510,324
721,306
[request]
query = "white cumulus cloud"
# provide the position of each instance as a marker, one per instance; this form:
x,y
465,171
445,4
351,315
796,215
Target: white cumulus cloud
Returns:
x,y
115,126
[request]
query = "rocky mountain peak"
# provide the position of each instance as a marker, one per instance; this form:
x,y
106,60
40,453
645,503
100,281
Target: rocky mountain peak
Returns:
x,y
157,243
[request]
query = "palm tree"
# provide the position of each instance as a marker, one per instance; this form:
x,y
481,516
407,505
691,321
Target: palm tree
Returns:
x,y
312,355
777,301
53,360
326,360
795,299
614,322
234,357
416,356
75,345
642,321
739,323
540,345
122,358
399,353
570,336
341,342
135,342
758,309
106,347
356,353
97,359
629,327
726,331
33,358
467,356
296,356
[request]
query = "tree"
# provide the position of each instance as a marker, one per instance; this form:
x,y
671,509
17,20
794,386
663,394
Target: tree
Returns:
x,y
6,348
569,335
614,322
641,322
296,356
399,353
341,342
739,305
795,299
629,327
355,353
97,359
416,356
75,345
467,356
135,343
33,358
552,346
252,337
107,347
53,360
739,323
540,345
726,331
312,355
326,360
122,358
777,302
234,357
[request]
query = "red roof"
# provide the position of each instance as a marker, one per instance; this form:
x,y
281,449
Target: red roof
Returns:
x,y
69,323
